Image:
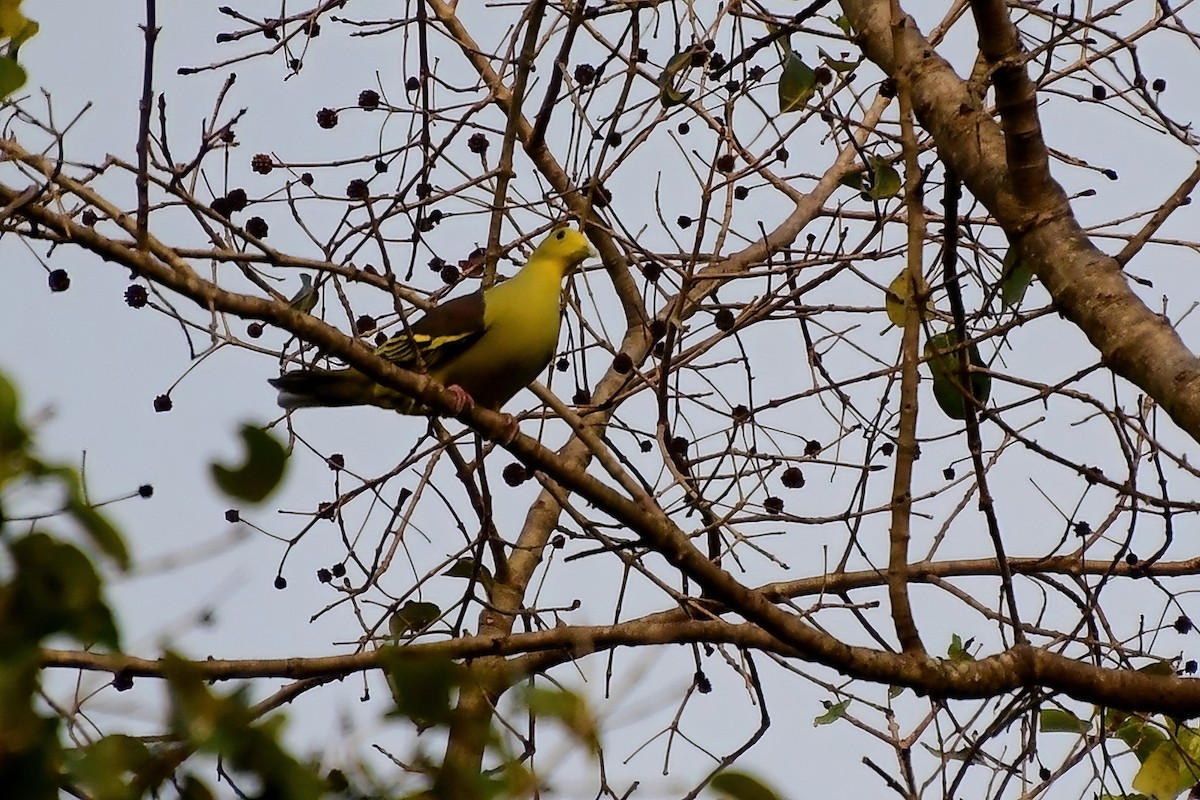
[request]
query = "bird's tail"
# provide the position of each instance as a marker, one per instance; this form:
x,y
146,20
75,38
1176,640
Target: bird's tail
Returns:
x,y
309,388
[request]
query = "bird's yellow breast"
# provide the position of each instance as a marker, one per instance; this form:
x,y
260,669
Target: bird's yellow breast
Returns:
x,y
521,324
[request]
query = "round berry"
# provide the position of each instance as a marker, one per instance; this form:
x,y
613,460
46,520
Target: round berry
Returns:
x,y
1159,85
581,397
1099,92
584,74
257,227
221,207
823,74
368,99
162,403
306,178
412,84
254,330
324,575
327,118
59,280
338,570
357,189
792,478
237,199
88,217
515,474
741,193
727,163
136,296
280,582
622,364
336,461
145,491
262,163
477,143
684,221
724,320
364,324
232,515
773,505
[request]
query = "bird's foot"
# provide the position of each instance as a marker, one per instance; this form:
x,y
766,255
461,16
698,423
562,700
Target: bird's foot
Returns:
x,y
462,399
511,429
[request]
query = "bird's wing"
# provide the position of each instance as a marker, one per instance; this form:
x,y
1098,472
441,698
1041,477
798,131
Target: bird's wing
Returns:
x,y
445,331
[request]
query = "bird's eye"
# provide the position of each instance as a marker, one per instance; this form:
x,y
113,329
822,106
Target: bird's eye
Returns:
x,y
560,235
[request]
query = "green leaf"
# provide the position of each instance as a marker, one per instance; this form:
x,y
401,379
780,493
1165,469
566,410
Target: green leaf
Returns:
x,y
838,65
465,568
101,531
1015,279
1142,736
1056,720
843,24
421,686
944,368
227,727
741,786
413,616
54,589
832,714
260,473
797,84
885,180
111,768
568,708
12,76
960,650
669,80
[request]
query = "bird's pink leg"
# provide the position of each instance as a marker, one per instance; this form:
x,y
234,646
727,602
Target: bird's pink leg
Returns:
x,y
462,399
511,429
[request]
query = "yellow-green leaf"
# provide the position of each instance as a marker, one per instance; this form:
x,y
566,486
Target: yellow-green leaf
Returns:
x,y
1165,774
741,786
797,84
896,297
261,471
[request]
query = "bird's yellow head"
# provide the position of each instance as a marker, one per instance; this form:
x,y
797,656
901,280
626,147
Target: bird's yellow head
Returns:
x,y
564,245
